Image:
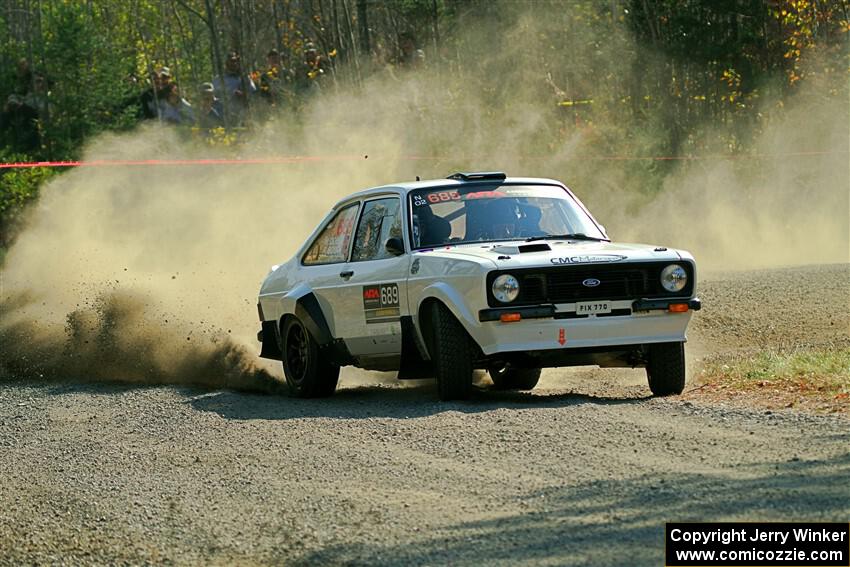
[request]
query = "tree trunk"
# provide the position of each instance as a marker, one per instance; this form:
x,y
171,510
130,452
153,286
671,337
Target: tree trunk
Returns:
x,y
363,25
435,18
188,41
338,43
350,31
217,61
278,40
46,127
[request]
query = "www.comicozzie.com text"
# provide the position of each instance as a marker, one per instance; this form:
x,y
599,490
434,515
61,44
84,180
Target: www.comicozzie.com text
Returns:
x,y
726,536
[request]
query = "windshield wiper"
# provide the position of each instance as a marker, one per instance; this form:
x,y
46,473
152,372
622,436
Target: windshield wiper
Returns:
x,y
573,236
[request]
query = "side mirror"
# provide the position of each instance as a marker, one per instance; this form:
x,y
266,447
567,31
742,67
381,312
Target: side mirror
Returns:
x,y
395,246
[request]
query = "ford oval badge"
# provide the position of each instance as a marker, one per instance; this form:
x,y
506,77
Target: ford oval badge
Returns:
x,y
591,282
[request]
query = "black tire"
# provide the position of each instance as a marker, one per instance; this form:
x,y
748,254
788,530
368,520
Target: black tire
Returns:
x,y
452,352
307,374
666,368
509,378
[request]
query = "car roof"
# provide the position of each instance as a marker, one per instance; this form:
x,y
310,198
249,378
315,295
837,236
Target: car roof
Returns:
x,y
406,187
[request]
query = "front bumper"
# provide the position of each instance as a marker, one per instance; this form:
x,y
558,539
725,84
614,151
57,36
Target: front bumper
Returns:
x,y
549,311
545,327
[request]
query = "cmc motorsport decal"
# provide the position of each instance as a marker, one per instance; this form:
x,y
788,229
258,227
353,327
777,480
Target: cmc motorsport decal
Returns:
x,y
381,303
593,259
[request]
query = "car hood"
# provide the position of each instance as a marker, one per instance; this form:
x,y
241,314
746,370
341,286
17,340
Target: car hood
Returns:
x,y
513,254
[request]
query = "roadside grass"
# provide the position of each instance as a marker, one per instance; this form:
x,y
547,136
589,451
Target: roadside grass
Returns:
x,y
810,378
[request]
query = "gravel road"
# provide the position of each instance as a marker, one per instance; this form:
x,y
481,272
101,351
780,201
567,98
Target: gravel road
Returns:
x,y
584,470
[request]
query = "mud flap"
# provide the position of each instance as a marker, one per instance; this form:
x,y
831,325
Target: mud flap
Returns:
x,y
270,340
414,366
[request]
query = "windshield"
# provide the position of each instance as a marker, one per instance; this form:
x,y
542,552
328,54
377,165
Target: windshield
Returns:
x,y
451,215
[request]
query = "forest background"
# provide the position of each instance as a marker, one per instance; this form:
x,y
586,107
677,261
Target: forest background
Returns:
x,y
643,84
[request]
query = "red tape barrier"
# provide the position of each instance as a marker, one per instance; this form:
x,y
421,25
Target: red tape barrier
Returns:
x,y
313,159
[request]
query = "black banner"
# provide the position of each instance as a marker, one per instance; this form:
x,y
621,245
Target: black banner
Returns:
x,y
757,544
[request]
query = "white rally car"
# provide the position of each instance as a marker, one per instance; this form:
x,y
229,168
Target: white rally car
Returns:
x,y
479,270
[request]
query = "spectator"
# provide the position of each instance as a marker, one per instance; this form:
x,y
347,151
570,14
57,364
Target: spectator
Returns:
x,y
407,50
166,83
210,109
234,87
418,58
38,98
174,109
310,72
23,78
149,99
152,98
165,80
272,81
274,60
21,119
26,109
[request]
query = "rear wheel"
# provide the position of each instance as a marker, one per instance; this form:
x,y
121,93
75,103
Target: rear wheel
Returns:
x,y
307,375
666,368
452,353
508,377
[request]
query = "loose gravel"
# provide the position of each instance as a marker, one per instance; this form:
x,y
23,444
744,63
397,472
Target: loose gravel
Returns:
x,y
584,470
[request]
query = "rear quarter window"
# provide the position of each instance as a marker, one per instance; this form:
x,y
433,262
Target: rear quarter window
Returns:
x,y
333,243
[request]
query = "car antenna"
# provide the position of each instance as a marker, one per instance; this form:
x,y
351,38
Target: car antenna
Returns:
x,y
417,178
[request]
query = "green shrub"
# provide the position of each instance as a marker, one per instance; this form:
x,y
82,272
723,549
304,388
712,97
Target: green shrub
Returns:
x,y
18,188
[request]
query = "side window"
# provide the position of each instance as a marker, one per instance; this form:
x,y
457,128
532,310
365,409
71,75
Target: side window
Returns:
x,y
381,220
331,246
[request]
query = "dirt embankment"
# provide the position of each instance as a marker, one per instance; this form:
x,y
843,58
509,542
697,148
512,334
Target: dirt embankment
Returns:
x,y
780,308
774,339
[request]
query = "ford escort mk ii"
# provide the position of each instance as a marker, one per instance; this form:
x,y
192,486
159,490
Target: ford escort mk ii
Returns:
x,y
476,271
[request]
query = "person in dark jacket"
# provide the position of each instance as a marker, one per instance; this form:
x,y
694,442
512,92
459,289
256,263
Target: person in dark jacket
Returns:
x,y
210,110
19,123
234,88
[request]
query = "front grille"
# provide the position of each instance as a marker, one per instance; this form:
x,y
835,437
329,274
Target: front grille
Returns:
x,y
566,286
563,284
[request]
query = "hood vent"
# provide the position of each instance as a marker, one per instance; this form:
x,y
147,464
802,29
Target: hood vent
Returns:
x,y
522,248
538,247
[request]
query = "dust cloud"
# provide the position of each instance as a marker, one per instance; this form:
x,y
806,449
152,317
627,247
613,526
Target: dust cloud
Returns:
x,y
784,207
150,274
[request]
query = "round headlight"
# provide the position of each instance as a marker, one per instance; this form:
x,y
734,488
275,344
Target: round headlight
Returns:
x,y
674,278
505,288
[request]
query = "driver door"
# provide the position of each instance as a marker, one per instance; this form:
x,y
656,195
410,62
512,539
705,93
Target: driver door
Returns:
x,y
375,291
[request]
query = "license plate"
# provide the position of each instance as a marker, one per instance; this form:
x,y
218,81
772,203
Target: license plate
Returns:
x,y
593,307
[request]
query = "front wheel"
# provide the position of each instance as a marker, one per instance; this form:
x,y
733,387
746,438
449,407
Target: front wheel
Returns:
x,y
508,377
307,374
665,368
452,354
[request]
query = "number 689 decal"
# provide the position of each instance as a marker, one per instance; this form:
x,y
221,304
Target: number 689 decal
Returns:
x,y
381,302
389,295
